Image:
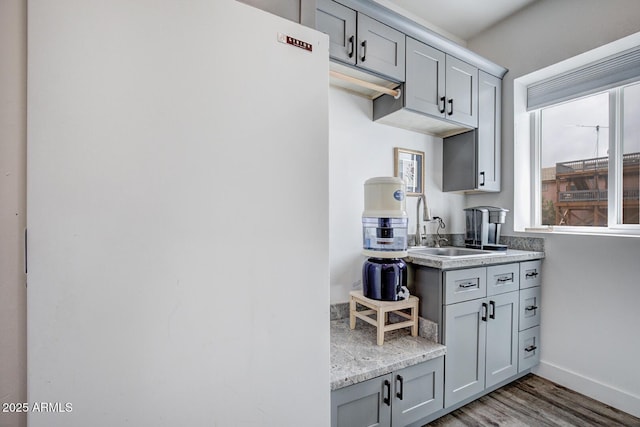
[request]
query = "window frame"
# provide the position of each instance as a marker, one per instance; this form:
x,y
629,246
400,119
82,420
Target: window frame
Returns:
x,y
527,144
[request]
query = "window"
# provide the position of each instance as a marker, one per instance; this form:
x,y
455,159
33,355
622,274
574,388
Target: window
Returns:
x,y
579,123
631,154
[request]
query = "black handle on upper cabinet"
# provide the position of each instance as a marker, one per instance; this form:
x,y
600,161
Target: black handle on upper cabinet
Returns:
x,y
400,394
387,400
531,307
444,103
492,314
484,311
364,50
351,47
483,178
450,107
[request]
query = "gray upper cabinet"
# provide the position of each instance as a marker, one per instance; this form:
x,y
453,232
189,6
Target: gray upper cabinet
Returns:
x,y
441,85
359,40
381,49
471,160
339,22
425,78
462,88
489,131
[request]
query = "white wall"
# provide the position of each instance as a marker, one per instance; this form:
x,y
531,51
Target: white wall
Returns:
x,y
360,149
591,286
13,319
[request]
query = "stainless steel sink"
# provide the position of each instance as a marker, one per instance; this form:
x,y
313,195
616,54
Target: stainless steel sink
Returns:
x,y
450,252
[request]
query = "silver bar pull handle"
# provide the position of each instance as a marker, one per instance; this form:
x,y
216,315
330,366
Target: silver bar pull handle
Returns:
x,y
467,285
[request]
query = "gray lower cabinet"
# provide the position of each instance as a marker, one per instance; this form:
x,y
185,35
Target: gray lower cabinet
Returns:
x,y
360,41
363,404
529,317
441,85
465,335
490,336
481,336
400,398
502,338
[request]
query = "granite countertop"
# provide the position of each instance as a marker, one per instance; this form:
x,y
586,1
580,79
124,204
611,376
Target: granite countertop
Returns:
x,y
500,257
355,356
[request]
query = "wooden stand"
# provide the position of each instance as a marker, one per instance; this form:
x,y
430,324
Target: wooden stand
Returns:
x,y
382,309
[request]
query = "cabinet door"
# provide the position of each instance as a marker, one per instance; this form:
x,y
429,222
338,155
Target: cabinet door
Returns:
x,y
418,391
339,22
364,404
425,79
459,162
380,48
502,338
465,338
462,89
489,130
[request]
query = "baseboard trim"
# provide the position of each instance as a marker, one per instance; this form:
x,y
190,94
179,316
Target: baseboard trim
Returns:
x,y
605,393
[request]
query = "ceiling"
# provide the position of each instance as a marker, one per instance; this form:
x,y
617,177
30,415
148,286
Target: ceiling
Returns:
x,y
461,18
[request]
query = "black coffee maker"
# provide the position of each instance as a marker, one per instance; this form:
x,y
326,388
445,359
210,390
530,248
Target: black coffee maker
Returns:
x,y
483,224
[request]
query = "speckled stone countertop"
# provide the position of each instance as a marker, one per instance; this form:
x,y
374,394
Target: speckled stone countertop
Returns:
x,y
355,356
500,257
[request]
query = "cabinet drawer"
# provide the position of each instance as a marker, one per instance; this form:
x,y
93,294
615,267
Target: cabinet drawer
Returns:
x,y
529,308
503,278
465,285
528,348
530,274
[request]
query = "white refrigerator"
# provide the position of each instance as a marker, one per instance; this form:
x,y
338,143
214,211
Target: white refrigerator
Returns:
x,y
177,216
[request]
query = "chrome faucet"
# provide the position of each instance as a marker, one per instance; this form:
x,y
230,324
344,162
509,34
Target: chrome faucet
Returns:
x,y
426,216
442,225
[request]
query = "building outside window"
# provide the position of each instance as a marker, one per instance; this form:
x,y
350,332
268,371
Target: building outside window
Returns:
x,y
575,159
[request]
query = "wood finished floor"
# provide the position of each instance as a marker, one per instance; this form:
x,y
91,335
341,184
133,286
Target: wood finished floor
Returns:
x,y
535,401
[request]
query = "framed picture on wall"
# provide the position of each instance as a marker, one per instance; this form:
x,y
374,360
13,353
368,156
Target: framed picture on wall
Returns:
x,y
409,166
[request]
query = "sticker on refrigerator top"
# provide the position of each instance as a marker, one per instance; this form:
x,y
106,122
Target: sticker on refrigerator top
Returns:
x,y
283,38
398,195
